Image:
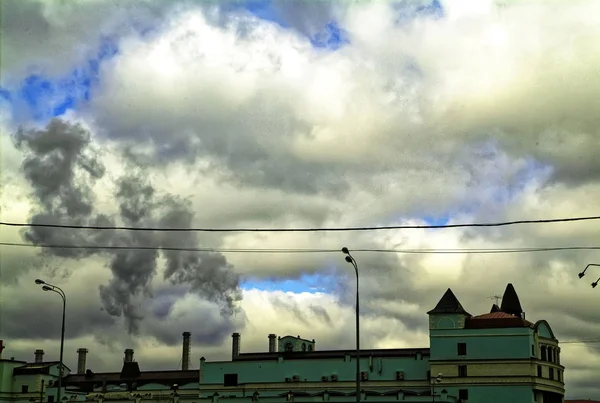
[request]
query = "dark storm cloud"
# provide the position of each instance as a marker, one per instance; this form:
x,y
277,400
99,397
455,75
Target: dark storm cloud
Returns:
x,y
239,144
206,274
61,166
38,316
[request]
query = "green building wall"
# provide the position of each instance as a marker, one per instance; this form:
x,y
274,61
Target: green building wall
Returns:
x,y
307,370
488,344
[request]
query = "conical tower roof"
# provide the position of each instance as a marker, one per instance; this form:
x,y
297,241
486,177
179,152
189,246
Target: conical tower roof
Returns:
x,y
510,301
449,304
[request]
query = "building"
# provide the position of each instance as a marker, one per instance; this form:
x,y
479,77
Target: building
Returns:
x,y
495,357
25,382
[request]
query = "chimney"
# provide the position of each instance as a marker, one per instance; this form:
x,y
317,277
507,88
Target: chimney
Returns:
x,y
39,356
272,343
81,355
128,355
235,346
2,346
185,358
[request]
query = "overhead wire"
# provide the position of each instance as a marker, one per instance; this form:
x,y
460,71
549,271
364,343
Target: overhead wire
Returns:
x,y
322,229
306,250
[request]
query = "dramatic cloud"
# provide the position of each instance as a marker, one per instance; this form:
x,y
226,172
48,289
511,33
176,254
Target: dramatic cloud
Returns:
x,y
210,116
55,160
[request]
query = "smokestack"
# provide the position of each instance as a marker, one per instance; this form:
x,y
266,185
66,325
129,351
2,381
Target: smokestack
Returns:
x,y
39,356
128,355
272,343
81,356
185,358
235,346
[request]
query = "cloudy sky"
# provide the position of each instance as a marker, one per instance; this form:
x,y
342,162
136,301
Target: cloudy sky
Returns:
x,y
295,114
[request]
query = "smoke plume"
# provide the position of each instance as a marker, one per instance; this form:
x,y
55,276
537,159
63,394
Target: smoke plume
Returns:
x,y
61,166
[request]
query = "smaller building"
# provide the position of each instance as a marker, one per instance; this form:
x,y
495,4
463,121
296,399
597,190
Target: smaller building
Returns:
x,y
37,381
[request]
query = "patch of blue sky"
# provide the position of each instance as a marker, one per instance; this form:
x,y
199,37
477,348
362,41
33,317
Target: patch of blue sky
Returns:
x,y
5,94
42,98
262,9
306,283
407,11
331,37
441,219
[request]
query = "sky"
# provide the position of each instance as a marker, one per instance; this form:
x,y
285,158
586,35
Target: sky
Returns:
x,y
269,114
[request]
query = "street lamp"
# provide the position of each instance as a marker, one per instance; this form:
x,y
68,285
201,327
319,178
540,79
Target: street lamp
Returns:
x,y
595,283
351,260
50,287
437,379
586,267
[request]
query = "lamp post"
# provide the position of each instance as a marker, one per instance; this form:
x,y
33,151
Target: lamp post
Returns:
x,y
595,283
437,379
50,287
351,260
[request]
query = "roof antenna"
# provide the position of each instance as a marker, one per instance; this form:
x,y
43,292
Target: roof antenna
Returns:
x,y
495,297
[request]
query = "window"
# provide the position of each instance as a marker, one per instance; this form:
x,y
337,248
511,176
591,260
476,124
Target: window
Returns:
x,y
550,373
50,399
558,376
463,394
544,353
462,348
539,371
303,346
533,350
289,347
462,370
230,380
310,347
24,388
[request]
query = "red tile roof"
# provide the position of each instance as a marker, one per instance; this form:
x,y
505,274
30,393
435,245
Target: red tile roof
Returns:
x,y
494,315
496,320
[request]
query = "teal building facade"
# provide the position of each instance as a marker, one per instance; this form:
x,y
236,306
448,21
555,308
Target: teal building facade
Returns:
x,y
494,357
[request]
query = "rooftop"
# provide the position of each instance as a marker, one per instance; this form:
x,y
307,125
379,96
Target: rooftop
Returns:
x,y
449,304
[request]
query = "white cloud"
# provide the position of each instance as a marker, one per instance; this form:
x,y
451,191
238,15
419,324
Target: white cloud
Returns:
x,y
258,129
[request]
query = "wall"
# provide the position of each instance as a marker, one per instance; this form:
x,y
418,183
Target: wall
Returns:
x,y
383,368
511,343
495,394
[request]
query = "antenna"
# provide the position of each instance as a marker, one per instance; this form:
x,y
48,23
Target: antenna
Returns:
x,y
496,298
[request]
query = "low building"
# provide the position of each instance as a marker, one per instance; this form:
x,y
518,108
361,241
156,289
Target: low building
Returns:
x,y
495,357
23,382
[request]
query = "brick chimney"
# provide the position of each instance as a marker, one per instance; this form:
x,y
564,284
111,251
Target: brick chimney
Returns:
x,y
235,346
39,356
81,356
272,343
128,355
185,357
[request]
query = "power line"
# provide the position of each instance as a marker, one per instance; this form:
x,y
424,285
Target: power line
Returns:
x,y
307,250
325,229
